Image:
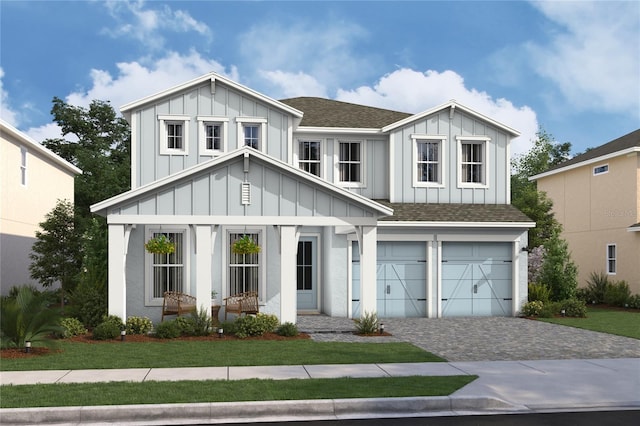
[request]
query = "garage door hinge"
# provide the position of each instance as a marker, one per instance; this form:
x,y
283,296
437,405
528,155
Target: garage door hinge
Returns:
x,y
444,300
355,300
422,261
507,298
507,261
421,300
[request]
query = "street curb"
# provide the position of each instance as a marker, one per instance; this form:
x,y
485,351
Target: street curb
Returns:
x,y
251,410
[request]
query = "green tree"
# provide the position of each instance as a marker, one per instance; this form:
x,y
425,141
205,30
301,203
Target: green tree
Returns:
x,y
558,272
99,144
56,256
544,154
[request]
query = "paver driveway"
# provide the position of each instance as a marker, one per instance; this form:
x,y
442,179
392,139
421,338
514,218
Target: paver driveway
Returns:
x,y
484,338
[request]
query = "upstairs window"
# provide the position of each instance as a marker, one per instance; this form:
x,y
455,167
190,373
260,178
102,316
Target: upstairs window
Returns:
x,y
599,170
212,135
428,164
252,132
350,163
309,156
611,259
23,166
473,161
174,134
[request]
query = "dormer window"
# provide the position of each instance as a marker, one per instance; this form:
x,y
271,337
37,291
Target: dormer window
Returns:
x,y
473,155
252,132
174,134
212,135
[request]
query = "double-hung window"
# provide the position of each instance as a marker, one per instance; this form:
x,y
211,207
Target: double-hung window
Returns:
x,y
611,259
174,134
212,135
309,156
168,272
472,153
252,132
428,164
23,166
244,269
350,170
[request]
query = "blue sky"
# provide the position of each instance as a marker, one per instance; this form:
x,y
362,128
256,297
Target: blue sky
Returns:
x,y
572,67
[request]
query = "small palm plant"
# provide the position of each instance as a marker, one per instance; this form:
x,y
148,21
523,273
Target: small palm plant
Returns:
x,y
28,318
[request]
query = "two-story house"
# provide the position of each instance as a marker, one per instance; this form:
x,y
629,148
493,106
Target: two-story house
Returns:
x,y
32,180
356,209
596,198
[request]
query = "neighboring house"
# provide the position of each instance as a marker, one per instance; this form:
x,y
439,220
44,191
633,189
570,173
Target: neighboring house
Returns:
x,y
357,209
33,179
596,198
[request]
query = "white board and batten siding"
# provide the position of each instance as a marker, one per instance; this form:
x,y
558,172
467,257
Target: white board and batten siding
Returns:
x,y
149,164
439,126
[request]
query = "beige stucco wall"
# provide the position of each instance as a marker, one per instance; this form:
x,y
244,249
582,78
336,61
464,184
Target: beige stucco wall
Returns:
x,y
23,207
596,211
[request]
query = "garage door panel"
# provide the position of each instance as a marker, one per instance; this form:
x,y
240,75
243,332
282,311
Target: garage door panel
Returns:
x,y
457,307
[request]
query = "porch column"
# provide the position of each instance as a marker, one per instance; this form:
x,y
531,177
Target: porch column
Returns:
x,y
117,302
203,267
368,270
288,287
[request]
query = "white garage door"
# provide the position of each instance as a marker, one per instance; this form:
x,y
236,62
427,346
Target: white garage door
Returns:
x,y
476,279
401,279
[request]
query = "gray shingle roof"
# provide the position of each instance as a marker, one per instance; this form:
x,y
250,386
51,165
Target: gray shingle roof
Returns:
x,y
320,112
627,141
403,212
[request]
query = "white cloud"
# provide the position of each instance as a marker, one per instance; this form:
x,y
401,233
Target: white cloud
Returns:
x,y
593,54
319,55
147,25
411,91
6,113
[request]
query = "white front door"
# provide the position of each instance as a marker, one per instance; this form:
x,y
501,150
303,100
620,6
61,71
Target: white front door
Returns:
x,y
307,273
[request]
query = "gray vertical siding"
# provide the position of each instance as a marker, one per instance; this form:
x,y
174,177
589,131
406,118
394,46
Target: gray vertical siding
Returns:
x,y
439,124
151,165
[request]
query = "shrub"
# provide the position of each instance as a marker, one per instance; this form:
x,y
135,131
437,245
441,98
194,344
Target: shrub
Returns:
x,y
533,308
257,325
168,330
71,327
228,327
574,308
597,287
550,309
617,293
201,322
287,329
539,292
367,324
185,326
634,301
88,304
114,319
27,317
558,270
106,331
138,325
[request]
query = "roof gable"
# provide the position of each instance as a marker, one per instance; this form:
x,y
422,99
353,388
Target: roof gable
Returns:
x,y
213,78
453,105
286,187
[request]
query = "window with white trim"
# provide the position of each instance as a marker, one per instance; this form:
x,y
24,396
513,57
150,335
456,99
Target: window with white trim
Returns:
x,y
244,269
599,170
472,153
428,164
174,134
252,132
350,166
212,133
23,166
167,272
611,259
309,156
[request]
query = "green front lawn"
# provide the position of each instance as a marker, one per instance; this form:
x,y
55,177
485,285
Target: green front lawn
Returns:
x,y
116,393
621,323
186,353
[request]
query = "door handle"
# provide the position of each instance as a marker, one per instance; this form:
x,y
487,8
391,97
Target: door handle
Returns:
x,y
475,288
388,289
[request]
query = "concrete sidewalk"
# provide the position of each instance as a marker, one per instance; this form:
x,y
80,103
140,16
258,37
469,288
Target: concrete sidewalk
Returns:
x,y
503,386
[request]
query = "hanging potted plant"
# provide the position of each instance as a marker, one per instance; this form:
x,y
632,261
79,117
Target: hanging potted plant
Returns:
x,y
160,244
245,245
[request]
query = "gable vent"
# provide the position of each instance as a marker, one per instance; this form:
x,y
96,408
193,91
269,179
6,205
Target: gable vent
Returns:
x,y
245,193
